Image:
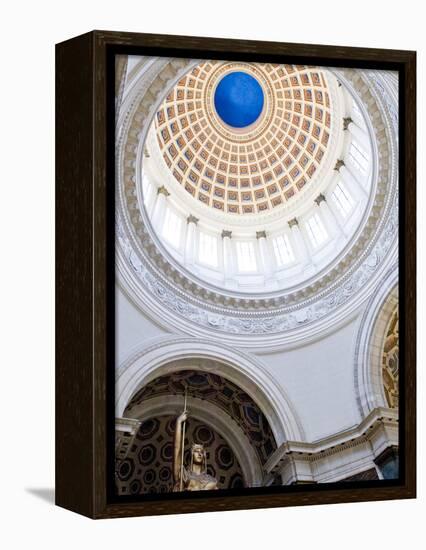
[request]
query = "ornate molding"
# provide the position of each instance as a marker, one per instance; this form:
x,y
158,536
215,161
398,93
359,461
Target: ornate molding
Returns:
x,y
368,381
346,122
339,164
163,191
125,432
321,198
376,433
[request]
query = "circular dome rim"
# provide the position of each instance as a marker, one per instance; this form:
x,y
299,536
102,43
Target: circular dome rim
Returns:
x,y
255,224
269,294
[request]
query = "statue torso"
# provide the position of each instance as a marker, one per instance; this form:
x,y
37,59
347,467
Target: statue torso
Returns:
x,y
197,482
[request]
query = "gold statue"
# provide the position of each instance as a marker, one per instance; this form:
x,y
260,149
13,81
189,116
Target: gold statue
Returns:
x,y
194,478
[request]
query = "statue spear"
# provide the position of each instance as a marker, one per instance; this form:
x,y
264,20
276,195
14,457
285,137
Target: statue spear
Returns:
x,y
183,448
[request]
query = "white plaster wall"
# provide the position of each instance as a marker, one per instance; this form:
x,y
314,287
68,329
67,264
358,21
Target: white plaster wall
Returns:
x,y
132,327
319,380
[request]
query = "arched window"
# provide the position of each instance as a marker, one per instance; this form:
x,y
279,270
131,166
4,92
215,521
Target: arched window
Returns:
x,y
246,256
358,157
356,113
342,199
283,251
316,231
172,228
207,250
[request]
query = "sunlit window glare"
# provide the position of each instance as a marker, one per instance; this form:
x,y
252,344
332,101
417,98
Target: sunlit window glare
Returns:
x,y
246,257
283,251
342,199
172,228
316,231
207,252
358,157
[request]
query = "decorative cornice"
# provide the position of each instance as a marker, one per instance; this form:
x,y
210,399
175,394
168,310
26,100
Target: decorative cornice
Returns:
x,y
130,425
346,122
339,164
162,191
321,198
367,363
125,432
365,431
192,219
121,63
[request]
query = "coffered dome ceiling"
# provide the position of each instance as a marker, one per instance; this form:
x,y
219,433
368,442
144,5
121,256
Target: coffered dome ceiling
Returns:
x,y
246,138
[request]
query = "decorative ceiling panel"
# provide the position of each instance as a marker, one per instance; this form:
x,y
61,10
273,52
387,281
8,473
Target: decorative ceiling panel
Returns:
x,y
257,167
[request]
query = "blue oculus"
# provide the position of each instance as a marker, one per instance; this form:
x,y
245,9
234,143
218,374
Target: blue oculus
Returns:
x,y
238,99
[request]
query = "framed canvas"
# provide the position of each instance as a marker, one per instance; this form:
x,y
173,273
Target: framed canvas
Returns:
x,y
235,242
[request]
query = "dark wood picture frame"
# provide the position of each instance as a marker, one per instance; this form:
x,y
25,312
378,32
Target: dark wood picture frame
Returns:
x,y
85,269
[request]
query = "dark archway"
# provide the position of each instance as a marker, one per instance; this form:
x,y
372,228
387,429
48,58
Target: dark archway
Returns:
x,y
147,467
222,393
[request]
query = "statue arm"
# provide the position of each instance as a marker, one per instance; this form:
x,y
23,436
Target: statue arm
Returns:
x,y
177,455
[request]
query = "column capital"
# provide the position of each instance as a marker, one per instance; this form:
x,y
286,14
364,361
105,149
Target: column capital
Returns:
x,y
339,164
293,223
260,234
226,233
346,122
320,199
146,152
192,219
162,191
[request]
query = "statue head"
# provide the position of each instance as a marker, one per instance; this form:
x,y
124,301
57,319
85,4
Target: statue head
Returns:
x,y
198,456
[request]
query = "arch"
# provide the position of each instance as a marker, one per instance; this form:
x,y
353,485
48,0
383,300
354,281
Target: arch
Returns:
x,y
390,360
214,417
148,464
166,354
369,344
